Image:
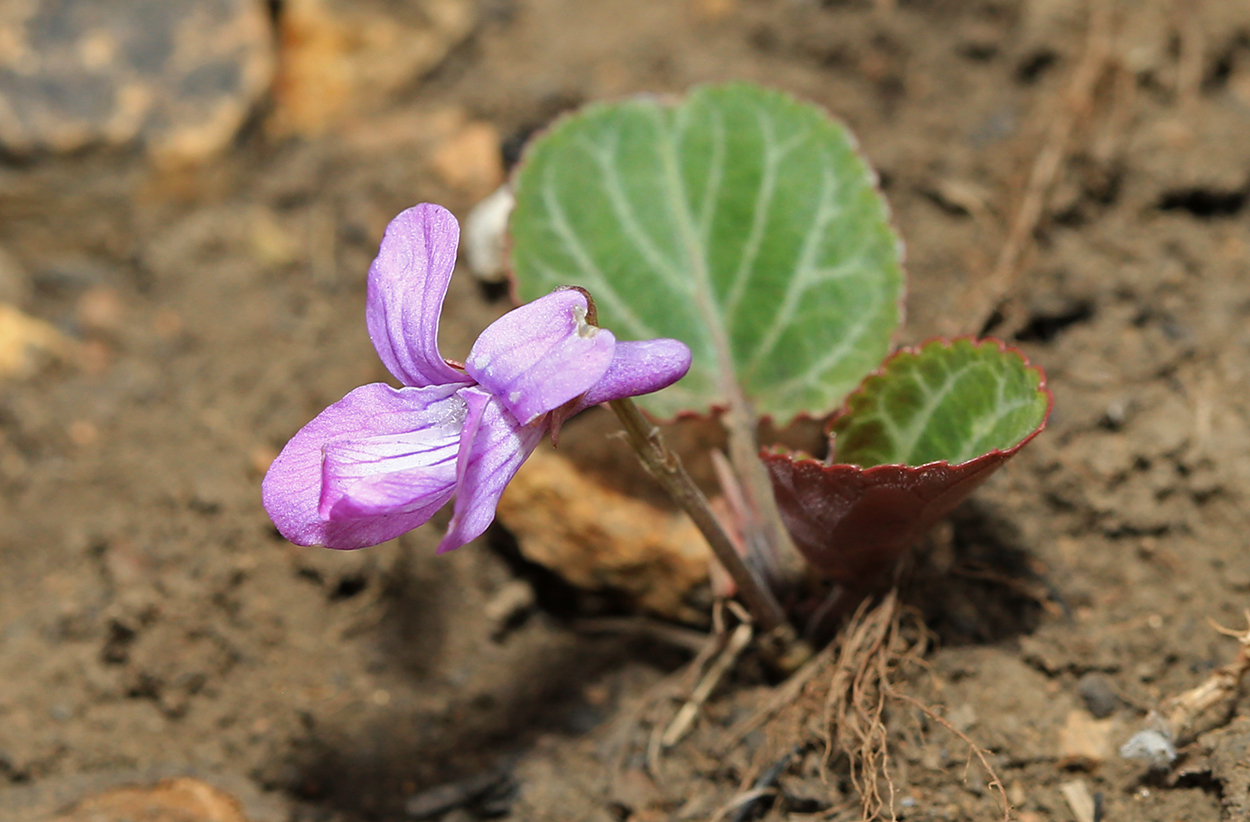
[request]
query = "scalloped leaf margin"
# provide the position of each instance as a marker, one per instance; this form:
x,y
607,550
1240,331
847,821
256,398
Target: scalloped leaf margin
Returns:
x,y
946,401
855,522
738,220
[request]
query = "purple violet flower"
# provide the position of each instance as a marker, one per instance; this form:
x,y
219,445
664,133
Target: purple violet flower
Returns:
x,y
383,460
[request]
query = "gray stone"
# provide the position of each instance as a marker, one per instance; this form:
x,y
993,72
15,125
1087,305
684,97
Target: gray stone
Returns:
x,y
179,78
1099,694
1152,746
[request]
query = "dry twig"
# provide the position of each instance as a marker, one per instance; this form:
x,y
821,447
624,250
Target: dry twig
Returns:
x,y
721,665
1177,719
995,291
1182,712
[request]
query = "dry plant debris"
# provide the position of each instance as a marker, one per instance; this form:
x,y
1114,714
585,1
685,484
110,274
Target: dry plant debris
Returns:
x,y
850,685
1074,106
1178,718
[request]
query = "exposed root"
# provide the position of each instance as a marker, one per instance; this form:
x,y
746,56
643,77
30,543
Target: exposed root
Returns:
x,y
973,748
876,644
788,693
869,651
842,695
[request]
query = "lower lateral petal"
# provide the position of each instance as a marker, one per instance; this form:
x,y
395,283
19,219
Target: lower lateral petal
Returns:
x,y
492,448
375,464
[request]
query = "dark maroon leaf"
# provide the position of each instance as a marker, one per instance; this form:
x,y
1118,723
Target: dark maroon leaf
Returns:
x,y
853,523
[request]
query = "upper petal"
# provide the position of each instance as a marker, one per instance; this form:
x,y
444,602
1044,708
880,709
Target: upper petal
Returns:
x,y
537,357
639,368
492,448
375,464
407,283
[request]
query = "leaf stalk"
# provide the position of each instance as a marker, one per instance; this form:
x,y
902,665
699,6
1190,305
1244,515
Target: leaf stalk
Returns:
x,y
667,469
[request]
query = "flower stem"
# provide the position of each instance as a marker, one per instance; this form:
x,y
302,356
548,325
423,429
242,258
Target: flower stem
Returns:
x,y
668,470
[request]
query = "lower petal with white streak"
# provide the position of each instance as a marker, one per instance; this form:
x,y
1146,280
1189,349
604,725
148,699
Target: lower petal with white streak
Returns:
x,y
372,466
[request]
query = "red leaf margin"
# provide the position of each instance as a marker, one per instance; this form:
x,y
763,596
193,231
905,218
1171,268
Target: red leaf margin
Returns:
x,y
855,523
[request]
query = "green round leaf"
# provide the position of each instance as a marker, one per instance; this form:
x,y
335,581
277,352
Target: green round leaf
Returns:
x,y
739,221
947,401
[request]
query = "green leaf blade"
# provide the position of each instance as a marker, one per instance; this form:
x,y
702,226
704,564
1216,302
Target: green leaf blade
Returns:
x,y
740,221
945,402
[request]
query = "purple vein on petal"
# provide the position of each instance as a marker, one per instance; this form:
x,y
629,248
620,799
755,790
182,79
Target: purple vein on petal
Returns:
x,y
383,419
407,283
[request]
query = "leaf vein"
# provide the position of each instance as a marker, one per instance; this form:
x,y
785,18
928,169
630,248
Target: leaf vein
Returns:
x,y
602,289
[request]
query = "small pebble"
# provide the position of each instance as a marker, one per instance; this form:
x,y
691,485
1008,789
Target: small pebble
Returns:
x,y
485,236
1099,694
1150,745
1079,799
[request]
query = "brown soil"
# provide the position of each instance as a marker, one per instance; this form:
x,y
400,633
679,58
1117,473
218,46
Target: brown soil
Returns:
x,y
153,624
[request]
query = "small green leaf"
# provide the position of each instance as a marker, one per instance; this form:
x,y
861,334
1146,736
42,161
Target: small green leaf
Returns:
x,y
739,221
947,401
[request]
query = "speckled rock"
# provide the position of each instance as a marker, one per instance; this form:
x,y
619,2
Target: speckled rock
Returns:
x,y
184,800
180,78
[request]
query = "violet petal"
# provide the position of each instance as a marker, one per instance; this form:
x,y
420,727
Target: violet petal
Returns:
x,y
374,431
639,368
492,448
538,357
407,283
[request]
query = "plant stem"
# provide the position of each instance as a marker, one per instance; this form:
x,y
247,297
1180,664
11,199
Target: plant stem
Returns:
x,y
765,533
668,470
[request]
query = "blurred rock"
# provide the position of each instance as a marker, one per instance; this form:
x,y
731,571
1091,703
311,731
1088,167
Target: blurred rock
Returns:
x,y
713,9
27,344
339,56
100,310
174,800
484,240
1099,694
1084,742
15,285
597,538
178,77
470,160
